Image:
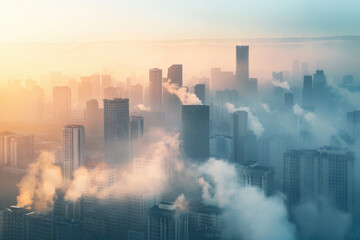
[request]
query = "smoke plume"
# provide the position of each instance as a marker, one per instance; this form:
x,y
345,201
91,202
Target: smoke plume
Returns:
x,y
182,93
142,108
248,213
285,85
254,125
38,186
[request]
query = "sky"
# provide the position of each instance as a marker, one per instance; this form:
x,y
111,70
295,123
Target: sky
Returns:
x,y
115,20
80,37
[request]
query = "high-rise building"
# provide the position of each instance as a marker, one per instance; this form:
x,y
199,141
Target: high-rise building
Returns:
x,y
21,150
195,132
307,92
242,66
304,69
128,214
252,87
167,221
222,80
353,124
288,101
14,223
136,127
254,175
320,90
94,124
61,104
222,147
199,90
136,95
73,148
155,89
40,226
209,223
175,74
245,144
116,131
312,174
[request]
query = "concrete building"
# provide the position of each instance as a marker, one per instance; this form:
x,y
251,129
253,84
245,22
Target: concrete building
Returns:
x,y
116,131
195,132
73,149
326,172
62,104
155,89
166,221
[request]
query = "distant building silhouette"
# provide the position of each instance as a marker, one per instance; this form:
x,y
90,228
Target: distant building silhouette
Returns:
x,y
307,92
155,89
242,66
61,104
199,90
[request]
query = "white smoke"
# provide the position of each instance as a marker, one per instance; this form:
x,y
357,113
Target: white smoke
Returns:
x,y
321,129
254,125
321,221
248,213
182,93
142,108
285,85
266,107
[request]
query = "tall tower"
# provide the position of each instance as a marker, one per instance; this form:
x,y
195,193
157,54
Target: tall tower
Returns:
x,y
94,124
242,65
175,74
200,92
62,103
116,131
155,89
195,132
73,148
307,92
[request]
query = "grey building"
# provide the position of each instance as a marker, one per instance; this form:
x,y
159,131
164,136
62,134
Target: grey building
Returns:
x,y
307,91
195,132
116,131
242,65
199,90
254,175
155,89
353,124
167,222
326,172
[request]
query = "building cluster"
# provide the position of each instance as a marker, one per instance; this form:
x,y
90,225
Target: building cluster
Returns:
x,y
118,115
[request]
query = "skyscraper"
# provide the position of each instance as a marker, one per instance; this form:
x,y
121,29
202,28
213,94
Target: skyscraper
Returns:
x,y
307,92
245,144
242,65
73,148
175,74
255,175
195,132
320,90
61,103
21,150
116,131
94,124
200,92
167,221
288,101
353,124
155,89
326,172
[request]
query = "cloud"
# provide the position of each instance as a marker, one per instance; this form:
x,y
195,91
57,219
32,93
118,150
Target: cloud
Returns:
x,y
248,213
265,106
143,108
182,93
321,221
285,85
254,125
39,185
320,128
